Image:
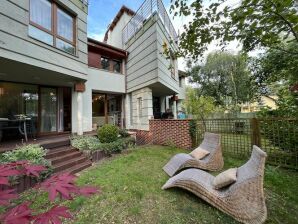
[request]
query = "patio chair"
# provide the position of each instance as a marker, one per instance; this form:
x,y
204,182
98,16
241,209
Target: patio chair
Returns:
x,y
243,200
212,162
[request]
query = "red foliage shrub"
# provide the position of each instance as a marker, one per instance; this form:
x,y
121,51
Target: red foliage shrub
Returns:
x,y
59,186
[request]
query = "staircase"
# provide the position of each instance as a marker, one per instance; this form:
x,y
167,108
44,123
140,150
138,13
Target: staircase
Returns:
x,y
65,158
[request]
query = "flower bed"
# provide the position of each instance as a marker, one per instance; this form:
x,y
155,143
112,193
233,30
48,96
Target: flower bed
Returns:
x,y
95,149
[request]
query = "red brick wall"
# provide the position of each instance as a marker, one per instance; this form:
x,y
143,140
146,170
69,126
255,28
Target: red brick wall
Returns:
x,y
169,131
143,137
166,132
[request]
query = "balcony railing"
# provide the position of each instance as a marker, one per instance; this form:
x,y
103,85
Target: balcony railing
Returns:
x,y
85,2
147,9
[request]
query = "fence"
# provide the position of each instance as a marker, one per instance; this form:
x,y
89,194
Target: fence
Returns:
x,y
278,137
147,9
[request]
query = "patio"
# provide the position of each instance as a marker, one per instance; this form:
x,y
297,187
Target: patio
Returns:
x,y
131,192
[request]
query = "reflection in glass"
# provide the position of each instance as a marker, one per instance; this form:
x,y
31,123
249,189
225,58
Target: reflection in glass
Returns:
x,y
117,66
40,35
48,110
41,13
65,25
65,46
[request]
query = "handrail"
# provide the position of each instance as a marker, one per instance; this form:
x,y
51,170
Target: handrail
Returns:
x,y
146,10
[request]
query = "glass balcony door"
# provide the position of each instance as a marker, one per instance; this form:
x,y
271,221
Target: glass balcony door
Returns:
x,y
48,110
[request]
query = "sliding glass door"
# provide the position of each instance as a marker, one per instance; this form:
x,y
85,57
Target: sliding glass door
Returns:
x,y
48,110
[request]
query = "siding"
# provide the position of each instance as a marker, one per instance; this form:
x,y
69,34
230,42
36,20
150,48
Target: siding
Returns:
x,y
146,65
15,44
142,60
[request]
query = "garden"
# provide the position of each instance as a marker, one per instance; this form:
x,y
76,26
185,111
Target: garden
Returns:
x,y
130,192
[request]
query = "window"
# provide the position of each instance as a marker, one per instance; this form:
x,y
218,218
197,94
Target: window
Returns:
x,y
172,67
105,63
180,81
116,66
52,25
139,108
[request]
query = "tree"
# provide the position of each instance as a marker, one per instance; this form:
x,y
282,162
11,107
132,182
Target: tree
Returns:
x,y
198,106
224,77
254,23
276,74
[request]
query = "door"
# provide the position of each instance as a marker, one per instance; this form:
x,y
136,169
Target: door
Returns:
x,y
48,110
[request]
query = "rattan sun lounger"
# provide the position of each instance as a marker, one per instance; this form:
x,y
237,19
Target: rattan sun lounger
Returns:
x,y
212,162
244,200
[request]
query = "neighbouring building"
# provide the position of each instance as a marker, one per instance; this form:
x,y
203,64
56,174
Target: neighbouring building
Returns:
x,y
264,101
53,79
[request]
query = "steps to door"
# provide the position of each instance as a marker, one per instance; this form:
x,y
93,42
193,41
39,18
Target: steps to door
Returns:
x,y
64,158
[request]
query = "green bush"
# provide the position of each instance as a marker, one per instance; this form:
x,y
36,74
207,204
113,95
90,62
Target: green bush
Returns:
x,y
84,142
124,133
92,143
108,133
117,146
32,153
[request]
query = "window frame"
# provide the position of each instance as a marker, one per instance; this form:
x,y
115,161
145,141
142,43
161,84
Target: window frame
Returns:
x,y
54,22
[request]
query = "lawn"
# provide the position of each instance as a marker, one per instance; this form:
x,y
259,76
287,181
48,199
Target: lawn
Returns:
x,y
131,193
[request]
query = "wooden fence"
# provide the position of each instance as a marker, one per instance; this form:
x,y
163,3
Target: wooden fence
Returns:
x,y
278,137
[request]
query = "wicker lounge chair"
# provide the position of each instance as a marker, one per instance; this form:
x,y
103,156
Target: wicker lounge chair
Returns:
x,y
244,200
212,162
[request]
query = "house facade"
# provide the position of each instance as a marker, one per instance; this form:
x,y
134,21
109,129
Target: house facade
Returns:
x,y
54,79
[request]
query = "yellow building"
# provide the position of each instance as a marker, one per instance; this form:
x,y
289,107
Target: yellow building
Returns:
x,y
264,101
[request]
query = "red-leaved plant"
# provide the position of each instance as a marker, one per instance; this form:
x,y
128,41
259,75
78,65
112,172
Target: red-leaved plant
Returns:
x,y
58,186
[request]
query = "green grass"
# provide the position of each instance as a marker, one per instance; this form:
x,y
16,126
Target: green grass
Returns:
x,y
131,193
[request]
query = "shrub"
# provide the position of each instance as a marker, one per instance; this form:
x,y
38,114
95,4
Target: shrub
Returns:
x,y
108,133
59,187
124,133
117,146
84,142
93,144
33,153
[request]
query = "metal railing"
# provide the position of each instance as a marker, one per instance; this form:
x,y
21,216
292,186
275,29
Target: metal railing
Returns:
x,y
147,9
86,2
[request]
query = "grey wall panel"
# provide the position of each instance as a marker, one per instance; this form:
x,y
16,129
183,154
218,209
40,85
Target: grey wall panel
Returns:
x,y
14,38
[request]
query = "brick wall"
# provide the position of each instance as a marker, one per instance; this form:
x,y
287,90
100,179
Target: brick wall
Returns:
x,y
143,137
166,132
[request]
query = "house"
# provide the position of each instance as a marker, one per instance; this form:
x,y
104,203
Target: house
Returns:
x,y
264,101
54,79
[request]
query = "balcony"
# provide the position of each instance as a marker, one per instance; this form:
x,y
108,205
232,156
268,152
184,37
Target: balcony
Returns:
x,y
147,9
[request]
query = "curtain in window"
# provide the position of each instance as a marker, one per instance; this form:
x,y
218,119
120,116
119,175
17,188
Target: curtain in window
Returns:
x,y
65,25
41,13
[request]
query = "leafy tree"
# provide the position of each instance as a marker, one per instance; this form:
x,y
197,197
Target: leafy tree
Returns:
x,y
224,77
254,23
198,106
275,73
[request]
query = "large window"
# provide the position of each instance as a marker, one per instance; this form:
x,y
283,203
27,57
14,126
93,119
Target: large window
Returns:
x,y
52,25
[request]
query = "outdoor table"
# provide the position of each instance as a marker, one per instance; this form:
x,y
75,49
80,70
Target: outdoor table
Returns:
x,y
11,124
